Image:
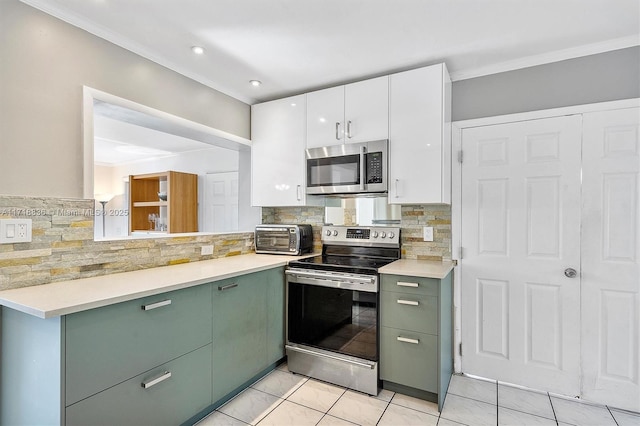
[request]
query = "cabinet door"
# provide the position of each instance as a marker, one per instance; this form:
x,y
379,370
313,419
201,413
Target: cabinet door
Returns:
x,y
174,393
108,345
239,337
367,110
275,314
277,152
325,117
409,358
420,136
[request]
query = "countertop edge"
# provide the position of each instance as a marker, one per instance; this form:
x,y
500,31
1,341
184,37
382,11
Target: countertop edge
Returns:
x,y
419,268
28,299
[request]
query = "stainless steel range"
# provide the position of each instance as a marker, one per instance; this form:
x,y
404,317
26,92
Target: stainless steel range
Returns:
x,y
332,306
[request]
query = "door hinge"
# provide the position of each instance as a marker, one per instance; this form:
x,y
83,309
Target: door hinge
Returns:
x,y
460,156
460,252
460,349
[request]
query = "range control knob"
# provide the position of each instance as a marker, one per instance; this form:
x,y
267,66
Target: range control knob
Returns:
x,y
391,235
383,234
335,233
375,234
328,232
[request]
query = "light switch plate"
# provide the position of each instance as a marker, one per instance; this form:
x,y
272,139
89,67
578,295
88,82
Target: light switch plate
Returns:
x,y
427,233
206,250
15,231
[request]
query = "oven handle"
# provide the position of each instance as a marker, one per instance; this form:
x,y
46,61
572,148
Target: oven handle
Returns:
x,y
337,358
325,277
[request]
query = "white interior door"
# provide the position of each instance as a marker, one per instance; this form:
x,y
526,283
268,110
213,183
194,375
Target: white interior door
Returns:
x,y
520,232
221,202
610,258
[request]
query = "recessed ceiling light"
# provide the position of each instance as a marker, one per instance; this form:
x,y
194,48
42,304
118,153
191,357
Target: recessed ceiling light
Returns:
x,y
255,83
197,50
293,104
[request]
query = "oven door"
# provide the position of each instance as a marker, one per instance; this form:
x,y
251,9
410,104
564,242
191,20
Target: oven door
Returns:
x,y
332,312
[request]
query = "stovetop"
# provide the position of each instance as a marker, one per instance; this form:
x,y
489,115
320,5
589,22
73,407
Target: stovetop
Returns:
x,y
359,250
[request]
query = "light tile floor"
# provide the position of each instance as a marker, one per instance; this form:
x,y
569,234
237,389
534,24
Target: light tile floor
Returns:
x,y
282,398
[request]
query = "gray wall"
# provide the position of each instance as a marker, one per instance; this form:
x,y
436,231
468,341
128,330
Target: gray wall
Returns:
x,y
597,78
44,62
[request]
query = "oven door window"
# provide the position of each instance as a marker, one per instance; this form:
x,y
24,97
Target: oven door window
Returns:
x,y
275,240
334,319
333,171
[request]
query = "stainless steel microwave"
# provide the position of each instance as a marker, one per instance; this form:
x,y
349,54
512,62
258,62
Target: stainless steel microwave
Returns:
x,y
350,168
284,239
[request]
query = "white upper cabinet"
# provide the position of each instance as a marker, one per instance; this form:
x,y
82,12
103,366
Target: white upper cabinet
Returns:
x,y
420,136
356,112
277,152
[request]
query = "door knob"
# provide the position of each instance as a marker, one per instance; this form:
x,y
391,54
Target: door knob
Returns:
x,y
570,273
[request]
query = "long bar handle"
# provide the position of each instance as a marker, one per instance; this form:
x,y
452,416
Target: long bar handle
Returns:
x,y
156,305
164,376
363,156
397,195
349,129
337,358
227,287
298,187
406,284
407,340
408,302
337,130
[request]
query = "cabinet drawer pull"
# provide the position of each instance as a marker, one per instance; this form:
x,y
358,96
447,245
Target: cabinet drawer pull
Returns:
x,y
407,340
227,287
160,304
406,284
164,376
408,302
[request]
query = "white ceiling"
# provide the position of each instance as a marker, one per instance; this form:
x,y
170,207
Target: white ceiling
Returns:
x,y
294,46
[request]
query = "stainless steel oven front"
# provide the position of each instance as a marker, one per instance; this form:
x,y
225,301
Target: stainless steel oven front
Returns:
x,y
331,327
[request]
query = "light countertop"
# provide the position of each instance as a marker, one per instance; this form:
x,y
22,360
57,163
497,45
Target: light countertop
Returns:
x,y
418,268
67,297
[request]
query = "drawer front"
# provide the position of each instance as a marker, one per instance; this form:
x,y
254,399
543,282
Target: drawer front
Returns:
x,y
412,285
409,359
109,345
175,392
414,312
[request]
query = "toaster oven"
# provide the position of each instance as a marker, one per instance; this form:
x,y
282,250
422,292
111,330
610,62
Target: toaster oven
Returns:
x,y
284,239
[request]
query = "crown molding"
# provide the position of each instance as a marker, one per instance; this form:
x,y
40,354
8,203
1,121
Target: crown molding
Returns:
x,y
547,58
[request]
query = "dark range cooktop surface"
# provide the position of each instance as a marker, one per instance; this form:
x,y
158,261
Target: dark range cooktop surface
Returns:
x,y
357,265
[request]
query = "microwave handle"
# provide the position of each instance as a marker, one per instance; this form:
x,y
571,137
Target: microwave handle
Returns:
x,y
363,178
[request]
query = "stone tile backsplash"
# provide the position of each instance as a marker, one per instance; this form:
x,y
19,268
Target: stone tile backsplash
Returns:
x,y
414,218
62,247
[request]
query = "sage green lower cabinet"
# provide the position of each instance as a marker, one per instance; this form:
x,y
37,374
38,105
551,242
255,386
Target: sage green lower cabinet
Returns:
x,y
164,359
416,335
169,394
109,345
248,328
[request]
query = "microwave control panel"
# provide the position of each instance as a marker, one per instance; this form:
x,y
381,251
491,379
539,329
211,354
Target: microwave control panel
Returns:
x,y
374,167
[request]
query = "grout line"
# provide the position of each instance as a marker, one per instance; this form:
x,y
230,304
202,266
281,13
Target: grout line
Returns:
x,y
614,417
553,408
497,404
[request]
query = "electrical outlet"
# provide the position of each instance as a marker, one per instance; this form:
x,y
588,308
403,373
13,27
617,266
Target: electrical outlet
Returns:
x,y
427,233
206,250
15,231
